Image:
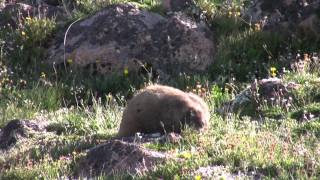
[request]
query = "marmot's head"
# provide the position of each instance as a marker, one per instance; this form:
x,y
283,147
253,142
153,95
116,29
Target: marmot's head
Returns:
x,y
197,113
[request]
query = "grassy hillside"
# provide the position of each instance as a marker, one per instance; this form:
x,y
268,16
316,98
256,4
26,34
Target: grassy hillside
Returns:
x,y
282,143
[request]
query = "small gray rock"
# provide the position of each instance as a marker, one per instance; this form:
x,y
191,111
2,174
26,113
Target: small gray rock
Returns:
x,y
18,129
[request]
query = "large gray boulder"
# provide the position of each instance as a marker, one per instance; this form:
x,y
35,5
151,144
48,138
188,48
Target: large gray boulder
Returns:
x,y
124,36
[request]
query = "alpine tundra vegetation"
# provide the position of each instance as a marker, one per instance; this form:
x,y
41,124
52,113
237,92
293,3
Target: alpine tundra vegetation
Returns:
x,y
69,68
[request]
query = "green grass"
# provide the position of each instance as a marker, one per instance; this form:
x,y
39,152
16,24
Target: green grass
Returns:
x,y
313,108
272,148
246,55
88,7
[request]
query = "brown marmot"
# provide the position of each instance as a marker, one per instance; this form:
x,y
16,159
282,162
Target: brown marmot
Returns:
x,y
163,109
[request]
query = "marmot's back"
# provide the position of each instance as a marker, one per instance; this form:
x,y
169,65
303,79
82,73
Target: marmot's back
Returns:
x,y
158,108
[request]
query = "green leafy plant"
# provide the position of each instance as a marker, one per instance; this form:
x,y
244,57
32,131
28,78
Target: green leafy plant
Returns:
x,y
28,42
246,55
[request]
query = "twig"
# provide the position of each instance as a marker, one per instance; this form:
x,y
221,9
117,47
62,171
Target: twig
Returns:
x,y
64,43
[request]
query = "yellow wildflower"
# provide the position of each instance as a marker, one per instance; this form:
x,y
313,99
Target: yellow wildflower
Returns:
x,y
23,33
126,71
197,177
176,177
185,155
273,71
69,61
43,75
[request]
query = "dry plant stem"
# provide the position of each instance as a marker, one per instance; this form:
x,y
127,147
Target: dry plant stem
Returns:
x,y
64,43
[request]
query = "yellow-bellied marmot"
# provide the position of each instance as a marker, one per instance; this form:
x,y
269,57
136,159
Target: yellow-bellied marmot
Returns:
x,y
158,108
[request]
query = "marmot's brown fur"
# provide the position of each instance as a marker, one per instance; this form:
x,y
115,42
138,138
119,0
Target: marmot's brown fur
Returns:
x,y
158,108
